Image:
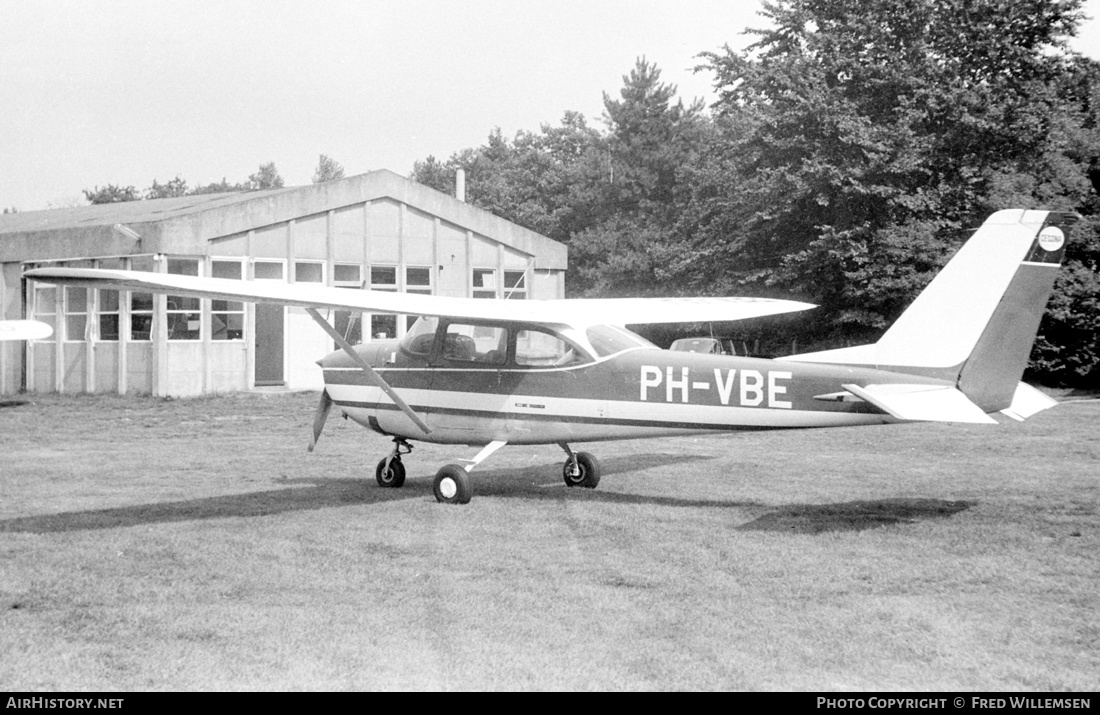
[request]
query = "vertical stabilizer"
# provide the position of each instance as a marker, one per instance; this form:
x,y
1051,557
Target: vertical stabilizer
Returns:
x,y
976,321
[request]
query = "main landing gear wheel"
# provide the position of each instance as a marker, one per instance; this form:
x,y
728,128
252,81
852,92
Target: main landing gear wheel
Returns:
x,y
452,485
390,477
585,473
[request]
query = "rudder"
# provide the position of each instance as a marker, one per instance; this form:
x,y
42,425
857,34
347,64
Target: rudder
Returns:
x,y
991,373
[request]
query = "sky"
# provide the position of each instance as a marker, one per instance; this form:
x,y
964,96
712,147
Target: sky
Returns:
x,y
97,92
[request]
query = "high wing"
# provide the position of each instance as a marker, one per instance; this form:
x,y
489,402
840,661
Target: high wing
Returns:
x,y
572,312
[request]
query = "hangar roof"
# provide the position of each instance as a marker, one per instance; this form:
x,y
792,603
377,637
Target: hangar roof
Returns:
x,y
186,224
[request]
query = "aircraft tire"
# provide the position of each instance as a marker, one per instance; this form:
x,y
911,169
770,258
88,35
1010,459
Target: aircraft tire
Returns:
x,y
589,475
452,485
392,478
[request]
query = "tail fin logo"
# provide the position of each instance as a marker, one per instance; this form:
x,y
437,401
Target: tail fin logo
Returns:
x,y
1051,238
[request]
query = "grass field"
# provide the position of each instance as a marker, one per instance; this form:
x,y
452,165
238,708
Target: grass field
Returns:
x,y
195,545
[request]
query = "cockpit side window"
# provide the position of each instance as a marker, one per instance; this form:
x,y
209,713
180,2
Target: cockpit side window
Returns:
x,y
539,348
482,344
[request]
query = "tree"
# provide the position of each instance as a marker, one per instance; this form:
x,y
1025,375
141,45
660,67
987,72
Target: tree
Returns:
x,y
175,187
859,141
327,169
266,177
633,243
219,188
650,139
111,194
431,172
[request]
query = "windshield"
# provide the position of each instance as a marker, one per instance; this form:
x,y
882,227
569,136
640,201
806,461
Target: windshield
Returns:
x,y
608,340
696,345
418,340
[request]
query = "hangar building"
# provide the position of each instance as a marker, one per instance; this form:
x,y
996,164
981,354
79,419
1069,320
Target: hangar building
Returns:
x,y
377,230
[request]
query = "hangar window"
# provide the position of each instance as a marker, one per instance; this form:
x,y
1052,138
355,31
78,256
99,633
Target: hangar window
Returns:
x,y
76,313
141,304
383,278
485,283
184,315
108,315
383,326
268,270
348,323
309,272
515,285
108,310
226,316
418,280
348,273
45,304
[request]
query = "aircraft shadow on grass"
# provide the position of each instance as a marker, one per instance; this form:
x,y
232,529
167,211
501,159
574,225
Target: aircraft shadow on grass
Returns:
x,y
853,516
531,483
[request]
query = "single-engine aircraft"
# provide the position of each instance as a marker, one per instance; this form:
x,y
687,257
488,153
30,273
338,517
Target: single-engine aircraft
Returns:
x,y
488,373
24,330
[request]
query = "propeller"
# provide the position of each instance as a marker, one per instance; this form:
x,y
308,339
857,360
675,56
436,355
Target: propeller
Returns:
x,y
323,408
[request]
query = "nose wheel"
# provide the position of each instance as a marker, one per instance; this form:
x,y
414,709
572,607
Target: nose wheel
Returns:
x,y
390,472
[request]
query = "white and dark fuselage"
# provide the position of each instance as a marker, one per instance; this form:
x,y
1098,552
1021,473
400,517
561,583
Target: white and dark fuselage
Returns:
x,y
638,391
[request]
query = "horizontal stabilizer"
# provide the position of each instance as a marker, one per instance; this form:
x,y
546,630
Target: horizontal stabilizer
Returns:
x,y
923,403
1027,401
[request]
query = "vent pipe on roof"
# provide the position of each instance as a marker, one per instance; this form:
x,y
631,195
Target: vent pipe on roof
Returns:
x,y
460,185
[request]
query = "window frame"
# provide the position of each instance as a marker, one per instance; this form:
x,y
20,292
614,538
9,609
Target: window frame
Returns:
x,y
189,315
481,291
233,308
37,312
350,320
519,292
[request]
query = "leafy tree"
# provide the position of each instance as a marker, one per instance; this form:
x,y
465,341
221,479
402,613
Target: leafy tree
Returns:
x,y
175,187
611,196
650,139
266,177
328,169
111,194
859,141
431,172
219,188
540,180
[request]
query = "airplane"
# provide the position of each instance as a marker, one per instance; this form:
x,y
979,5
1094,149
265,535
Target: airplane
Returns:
x,y
488,373
24,330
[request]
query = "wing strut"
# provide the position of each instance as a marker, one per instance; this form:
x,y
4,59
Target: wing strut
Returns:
x,y
371,374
